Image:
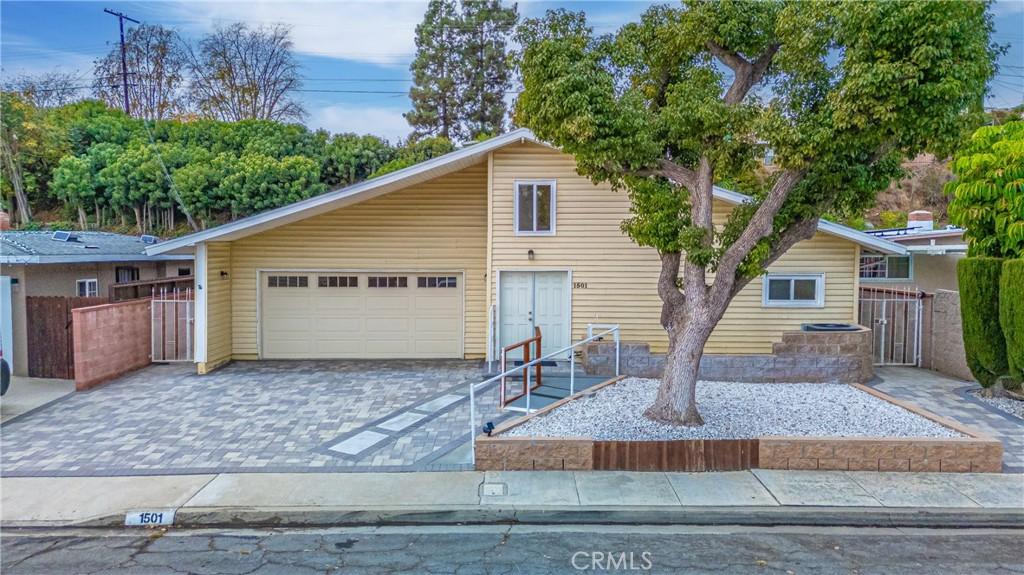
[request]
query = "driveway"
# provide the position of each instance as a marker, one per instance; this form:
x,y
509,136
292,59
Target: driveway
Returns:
x,y
400,415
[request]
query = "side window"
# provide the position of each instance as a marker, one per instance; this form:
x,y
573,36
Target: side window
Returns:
x,y
87,288
126,274
797,290
535,208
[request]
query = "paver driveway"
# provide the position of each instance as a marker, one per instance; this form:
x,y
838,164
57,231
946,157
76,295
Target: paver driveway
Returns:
x,y
251,416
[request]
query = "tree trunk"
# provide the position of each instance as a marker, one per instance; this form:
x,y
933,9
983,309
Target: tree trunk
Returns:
x,y
138,219
676,403
82,221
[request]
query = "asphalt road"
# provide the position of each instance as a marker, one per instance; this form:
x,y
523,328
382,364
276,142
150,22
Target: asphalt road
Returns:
x,y
515,550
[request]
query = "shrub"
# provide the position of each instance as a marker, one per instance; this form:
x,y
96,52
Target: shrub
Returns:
x,y
984,344
1011,316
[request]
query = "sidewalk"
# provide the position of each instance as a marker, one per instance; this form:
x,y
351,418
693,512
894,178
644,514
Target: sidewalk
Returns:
x,y
758,497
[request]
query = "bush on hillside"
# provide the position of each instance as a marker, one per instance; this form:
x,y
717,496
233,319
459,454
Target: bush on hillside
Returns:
x,y
984,344
1011,316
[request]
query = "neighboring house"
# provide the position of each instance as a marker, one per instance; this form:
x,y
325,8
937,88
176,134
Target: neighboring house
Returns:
x,y
930,263
71,264
462,254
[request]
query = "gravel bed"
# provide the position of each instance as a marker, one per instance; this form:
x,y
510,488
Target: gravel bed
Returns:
x,y
734,411
1014,407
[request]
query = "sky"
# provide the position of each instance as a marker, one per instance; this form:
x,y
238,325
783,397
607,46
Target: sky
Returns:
x,y
345,48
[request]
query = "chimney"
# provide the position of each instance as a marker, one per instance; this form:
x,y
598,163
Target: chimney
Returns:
x,y
920,220
5,221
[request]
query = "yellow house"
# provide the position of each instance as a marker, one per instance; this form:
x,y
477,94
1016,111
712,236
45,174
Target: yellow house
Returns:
x,y
465,253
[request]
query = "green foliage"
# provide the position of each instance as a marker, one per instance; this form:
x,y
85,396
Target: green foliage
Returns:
x,y
891,219
851,90
984,345
414,152
988,192
1011,316
461,69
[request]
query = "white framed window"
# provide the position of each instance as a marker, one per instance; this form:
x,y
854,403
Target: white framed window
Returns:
x,y
87,288
793,290
535,207
880,267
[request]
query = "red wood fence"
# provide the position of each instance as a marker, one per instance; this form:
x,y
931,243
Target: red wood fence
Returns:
x,y
49,339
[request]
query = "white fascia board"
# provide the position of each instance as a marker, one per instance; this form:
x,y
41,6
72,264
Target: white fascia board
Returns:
x,y
831,228
341,197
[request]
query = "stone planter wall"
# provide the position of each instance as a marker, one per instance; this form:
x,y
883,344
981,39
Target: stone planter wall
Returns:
x,y
801,357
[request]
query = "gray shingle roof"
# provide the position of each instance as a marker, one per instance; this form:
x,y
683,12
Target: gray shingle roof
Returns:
x,y
40,247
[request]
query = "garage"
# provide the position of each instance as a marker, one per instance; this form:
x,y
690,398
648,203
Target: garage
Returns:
x,y
360,315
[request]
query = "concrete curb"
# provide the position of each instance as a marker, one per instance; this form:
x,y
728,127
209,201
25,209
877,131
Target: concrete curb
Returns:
x,y
307,517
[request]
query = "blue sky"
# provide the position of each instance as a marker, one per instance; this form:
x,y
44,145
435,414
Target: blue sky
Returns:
x,y
341,45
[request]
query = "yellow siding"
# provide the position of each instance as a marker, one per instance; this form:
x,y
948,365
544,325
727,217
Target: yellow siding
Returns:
x,y
438,225
621,277
218,305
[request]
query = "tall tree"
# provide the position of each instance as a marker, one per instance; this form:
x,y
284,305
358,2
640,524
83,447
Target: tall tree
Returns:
x,y
48,89
240,73
689,96
156,64
483,65
435,93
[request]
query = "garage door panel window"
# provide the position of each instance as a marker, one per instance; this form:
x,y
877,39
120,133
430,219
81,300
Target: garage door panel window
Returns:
x,y
287,281
337,281
802,290
436,282
387,281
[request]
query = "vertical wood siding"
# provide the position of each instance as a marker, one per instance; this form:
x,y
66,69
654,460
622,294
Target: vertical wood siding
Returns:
x,y
218,304
621,278
437,225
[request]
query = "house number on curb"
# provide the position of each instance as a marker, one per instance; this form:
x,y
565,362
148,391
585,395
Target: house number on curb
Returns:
x,y
148,518
579,285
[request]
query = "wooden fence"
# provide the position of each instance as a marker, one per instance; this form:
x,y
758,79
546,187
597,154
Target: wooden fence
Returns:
x,y
49,339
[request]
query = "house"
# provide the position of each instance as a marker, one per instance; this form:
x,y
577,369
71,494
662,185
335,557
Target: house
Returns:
x,y
71,265
931,259
467,252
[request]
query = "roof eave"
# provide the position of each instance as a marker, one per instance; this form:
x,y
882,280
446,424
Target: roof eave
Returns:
x,y
74,259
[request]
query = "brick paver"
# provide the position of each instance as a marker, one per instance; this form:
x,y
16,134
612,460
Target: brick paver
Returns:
x,y
949,398
248,416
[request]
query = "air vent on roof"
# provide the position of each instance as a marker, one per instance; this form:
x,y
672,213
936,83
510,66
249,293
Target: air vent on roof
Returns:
x,y
91,247
148,239
61,236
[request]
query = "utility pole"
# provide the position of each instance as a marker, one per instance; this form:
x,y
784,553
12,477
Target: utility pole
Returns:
x,y
124,64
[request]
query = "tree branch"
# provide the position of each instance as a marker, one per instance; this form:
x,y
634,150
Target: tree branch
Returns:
x,y
746,74
802,230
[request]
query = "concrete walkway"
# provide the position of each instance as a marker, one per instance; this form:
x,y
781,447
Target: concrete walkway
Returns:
x,y
950,398
29,393
282,499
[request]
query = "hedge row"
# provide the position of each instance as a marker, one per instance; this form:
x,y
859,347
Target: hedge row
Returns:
x,y
992,310
1011,315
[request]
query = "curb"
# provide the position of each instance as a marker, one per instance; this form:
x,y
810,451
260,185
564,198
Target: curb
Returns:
x,y
306,517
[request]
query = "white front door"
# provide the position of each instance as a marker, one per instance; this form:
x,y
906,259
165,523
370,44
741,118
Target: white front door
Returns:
x,y
529,299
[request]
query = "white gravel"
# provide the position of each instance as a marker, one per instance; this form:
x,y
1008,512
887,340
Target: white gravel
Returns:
x,y
1014,407
734,411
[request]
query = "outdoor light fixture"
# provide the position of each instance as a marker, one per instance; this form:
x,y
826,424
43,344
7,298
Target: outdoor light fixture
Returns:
x,y
529,255
489,428
223,274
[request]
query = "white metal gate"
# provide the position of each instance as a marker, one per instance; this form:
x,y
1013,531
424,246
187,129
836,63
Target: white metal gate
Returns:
x,y
173,326
894,315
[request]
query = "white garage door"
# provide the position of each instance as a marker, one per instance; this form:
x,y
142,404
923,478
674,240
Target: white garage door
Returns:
x,y
324,315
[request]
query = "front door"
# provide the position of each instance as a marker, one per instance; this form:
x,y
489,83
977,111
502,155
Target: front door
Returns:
x,y
529,299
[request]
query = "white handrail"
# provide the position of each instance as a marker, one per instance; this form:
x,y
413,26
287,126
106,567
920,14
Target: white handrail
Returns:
x,y
473,386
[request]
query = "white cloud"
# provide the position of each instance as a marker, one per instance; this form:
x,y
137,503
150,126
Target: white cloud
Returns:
x,y
384,122
375,32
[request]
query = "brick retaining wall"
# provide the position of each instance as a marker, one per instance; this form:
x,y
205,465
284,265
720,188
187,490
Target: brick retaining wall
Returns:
x,y
110,340
801,357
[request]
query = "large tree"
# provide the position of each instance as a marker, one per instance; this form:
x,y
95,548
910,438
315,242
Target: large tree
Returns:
x,y
688,96
483,65
242,73
47,89
156,66
435,94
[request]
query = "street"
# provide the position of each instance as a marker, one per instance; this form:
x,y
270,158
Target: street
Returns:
x,y
513,549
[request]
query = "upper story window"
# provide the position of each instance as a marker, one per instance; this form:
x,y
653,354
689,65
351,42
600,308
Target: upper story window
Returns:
x,y
125,274
535,208
794,290
87,288
878,267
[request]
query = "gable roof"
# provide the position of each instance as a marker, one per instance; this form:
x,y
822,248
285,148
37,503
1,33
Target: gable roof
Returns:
x,y
429,170
39,247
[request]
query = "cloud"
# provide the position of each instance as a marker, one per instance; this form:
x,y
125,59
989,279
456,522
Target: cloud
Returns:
x,y
376,32
384,122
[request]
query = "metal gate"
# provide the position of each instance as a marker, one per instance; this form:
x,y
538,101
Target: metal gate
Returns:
x,y
173,326
894,315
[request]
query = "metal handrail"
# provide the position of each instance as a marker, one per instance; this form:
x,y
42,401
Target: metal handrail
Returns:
x,y
525,344
473,386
